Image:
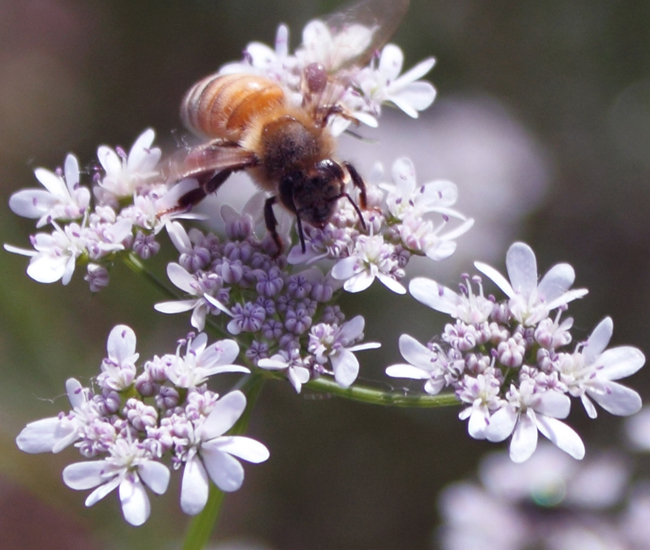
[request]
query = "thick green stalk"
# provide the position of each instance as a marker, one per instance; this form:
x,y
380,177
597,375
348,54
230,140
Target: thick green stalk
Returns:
x,y
202,525
373,396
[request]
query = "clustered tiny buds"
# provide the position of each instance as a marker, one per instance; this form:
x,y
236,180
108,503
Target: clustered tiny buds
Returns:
x,y
508,361
137,417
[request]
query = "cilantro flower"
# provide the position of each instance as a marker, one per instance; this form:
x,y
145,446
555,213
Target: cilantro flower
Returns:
x,y
62,199
128,467
215,455
590,373
531,302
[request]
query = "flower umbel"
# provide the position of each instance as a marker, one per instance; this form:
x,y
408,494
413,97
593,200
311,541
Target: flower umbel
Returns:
x,y
506,360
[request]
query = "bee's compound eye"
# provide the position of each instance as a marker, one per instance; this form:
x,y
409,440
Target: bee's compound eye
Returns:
x,y
315,76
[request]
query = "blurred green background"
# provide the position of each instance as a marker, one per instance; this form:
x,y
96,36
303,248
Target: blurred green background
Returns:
x,y
542,119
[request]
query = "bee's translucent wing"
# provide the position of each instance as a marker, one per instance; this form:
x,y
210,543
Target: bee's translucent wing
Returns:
x,y
209,158
364,28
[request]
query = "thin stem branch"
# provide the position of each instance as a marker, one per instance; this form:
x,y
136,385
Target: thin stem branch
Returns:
x,y
365,394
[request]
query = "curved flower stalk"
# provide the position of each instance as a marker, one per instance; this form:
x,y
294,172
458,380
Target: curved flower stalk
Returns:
x,y
137,418
507,361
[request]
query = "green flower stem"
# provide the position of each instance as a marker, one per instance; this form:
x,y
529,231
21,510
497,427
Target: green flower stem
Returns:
x,y
365,394
136,265
202,525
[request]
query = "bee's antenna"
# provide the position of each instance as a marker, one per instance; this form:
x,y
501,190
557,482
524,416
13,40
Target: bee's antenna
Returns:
x,y
301,235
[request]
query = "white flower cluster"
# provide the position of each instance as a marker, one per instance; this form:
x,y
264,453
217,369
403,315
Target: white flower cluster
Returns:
x,y
550,502
136,418
507,362
360,91
126,214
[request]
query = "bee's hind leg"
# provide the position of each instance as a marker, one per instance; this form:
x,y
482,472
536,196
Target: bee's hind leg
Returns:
x,y
206,186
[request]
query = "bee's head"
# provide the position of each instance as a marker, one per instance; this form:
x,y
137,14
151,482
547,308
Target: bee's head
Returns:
x,y
312,193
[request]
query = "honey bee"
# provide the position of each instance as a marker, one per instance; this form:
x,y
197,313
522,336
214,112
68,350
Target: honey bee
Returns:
x,y
288,150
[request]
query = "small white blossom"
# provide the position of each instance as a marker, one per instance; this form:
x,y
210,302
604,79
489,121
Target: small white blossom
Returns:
x,y
531,302
127,467
215,455
125,174
333,343
203,287
202,361
118,369
529,410
372,257
468,307
56,433
62,199
407,92
292,364
590,373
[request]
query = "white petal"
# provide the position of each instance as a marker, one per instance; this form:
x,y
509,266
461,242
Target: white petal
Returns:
x,y
178,236
390,61
617,399
223,416
220,353
567,297
391,283
358,282
109,160
416,353
524,438
598,340
53,183
478,423
496,277
32,203
561,435
47,269
434,295
41,436
556,282
352,329
404,105
553,403
242,447
502,422
225,470
102,491
406,371
135,502
155,475
403,173
417,72
589,406
195,487
620,362
121,343
176,306
345,268
71,171
522,268
68,269
75,393
417,95
84,475
346,368
181,278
